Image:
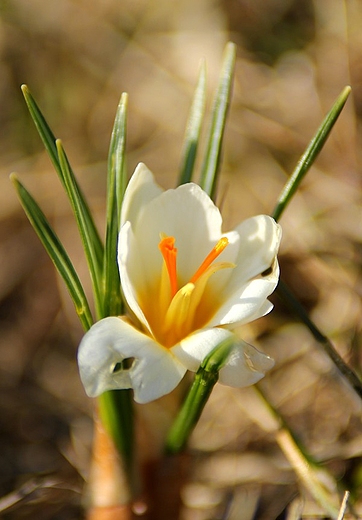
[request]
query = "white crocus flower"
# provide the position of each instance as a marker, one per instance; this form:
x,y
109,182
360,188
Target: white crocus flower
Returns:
x,y
186,285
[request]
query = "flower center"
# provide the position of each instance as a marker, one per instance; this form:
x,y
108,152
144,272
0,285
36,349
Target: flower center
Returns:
x,y
182,310
169,253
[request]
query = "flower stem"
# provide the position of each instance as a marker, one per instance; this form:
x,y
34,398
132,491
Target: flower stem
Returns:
x,y
205,379
191,410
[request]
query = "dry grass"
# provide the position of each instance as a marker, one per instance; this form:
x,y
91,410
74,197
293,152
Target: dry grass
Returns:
x,y
294,57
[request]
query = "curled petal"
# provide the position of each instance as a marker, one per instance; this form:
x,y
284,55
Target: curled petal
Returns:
x,y
259,242
247,302
153,370
245,365
193,349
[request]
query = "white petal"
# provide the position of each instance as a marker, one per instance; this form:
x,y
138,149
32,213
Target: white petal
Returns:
x,y
247,302
133,272
154,371
187,214
193,349
259,242
141,189
245,366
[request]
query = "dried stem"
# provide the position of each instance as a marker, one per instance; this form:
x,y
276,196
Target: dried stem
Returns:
x,y
108,486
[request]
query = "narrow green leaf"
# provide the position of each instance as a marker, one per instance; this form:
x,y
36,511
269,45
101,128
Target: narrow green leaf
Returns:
x,y
205,379
56,252
85,230
193,129
43,128
116,406
49,141
117,152
116,186
211,162
286,195
310,154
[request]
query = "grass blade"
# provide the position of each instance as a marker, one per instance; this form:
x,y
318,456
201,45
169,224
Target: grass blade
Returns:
x,y
43,128
85,229
112,305
310,154
211,162
193,129
116,406
287,193
56,252
49,141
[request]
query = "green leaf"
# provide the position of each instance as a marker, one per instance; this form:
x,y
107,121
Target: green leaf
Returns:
x,y
112,305
56,252
210,169
310,154
116,406
49,141
43,128
205,379
85,229
193,129
286,195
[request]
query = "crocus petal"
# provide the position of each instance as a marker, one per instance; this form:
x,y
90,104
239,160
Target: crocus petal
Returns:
x,y
154,371
193,349
245,366
141,189
247,302
259,242
185,213
132,266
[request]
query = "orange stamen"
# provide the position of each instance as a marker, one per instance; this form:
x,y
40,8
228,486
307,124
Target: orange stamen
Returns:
x,y
214,253
169,253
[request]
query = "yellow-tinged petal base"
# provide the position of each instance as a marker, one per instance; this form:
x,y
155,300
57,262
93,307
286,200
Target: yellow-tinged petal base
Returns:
x,y
172,312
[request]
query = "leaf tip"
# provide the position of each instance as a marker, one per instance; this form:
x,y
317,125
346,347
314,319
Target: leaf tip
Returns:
x,y
13,177
124,97
231,46
347,90
59,146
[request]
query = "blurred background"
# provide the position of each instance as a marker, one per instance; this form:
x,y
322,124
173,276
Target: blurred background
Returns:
x,y
293,59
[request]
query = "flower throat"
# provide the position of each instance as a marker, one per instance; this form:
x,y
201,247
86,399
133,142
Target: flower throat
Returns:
x,y
183,309
169,253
